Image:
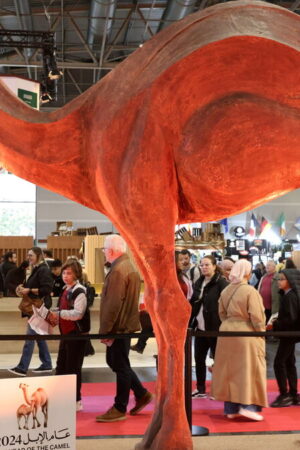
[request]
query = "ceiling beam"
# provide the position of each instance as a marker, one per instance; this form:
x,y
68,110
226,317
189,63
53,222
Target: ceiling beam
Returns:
x,y
63,65
80,35
74,81
295,5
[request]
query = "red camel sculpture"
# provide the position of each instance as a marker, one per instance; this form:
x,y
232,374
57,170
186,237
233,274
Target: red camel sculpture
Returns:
x,y
201,123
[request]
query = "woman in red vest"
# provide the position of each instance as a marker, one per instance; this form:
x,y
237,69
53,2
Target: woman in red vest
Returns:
x,y
73,318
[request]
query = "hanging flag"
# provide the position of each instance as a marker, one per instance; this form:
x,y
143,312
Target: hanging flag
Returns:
x,y
224,222
297,224
254,226
281,224
265,225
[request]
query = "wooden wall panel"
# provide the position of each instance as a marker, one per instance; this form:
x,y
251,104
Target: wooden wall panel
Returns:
x,y
64,246
94,258
18,244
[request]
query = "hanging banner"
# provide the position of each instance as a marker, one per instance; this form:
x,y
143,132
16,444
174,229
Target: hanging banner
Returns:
x,y
38,413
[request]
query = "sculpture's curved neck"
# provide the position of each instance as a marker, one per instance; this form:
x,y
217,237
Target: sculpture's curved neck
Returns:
x,y
47,149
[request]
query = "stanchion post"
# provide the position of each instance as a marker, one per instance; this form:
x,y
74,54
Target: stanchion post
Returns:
x,y
195,429
188,376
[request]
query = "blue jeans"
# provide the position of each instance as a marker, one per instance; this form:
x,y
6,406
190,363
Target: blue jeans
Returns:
x,y
233,408
27,352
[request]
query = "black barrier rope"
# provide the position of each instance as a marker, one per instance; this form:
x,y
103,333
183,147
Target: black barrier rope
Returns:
x,y
68,337
58,337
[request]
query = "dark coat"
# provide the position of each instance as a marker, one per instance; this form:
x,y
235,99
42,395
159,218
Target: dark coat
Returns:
x,y
58,285
210,299
289,308
6,267
41,278
13,279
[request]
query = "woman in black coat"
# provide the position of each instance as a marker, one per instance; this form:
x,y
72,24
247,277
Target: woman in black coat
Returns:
x,y
38,286
288,320
205,316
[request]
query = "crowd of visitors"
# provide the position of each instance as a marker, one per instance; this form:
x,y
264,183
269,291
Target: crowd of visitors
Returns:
x,y
224,295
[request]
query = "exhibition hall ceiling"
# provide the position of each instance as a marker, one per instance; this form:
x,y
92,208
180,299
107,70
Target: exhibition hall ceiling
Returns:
x,y
91,37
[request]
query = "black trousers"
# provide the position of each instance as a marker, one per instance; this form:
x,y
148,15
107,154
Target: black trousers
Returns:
x,y
117,359
268,313
201,347
69,361
285,367
142,342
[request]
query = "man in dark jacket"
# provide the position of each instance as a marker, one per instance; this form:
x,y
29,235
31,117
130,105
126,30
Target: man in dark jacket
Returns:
x,y
119,314
14,278
288,320
9,263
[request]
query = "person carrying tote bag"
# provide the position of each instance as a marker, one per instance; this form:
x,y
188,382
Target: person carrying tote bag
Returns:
x,y
35,291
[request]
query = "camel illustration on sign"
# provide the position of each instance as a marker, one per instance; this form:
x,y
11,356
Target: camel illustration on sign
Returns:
x,y
201,123
38,400
24,411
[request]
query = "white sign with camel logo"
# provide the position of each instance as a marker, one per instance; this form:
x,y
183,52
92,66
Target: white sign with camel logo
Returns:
x,y
38,413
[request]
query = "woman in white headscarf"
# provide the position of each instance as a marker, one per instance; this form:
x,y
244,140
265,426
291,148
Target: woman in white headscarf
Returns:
x,y
239,372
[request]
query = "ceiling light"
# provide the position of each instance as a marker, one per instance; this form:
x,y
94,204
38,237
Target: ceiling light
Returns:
x,y
55,74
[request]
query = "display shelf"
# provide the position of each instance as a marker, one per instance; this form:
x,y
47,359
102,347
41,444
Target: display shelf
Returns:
x,y
200,245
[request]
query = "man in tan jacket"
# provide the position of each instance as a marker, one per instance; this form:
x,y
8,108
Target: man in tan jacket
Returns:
x,y
119,314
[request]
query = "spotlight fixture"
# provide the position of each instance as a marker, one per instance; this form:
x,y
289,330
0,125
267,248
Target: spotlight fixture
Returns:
x,y
50,66
55,74
45,97
48,91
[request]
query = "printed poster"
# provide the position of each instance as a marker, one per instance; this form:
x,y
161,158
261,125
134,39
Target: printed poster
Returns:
x,y
38,413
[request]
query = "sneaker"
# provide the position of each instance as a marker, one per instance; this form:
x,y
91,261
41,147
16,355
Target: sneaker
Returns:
x,y
137,349
112,415
42,370
17,371
296,399
232,416
250,414
141,403
282,400
198,394
79,406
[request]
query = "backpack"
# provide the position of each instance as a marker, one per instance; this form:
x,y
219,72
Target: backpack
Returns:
x,y
90,293
83,324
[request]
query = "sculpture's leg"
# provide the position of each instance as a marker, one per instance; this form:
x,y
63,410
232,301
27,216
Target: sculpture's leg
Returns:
x,y
169,312
146,219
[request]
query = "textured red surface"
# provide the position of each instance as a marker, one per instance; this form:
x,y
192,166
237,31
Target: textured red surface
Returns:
x,y
201,123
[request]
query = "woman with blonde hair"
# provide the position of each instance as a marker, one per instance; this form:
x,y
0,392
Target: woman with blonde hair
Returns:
x,y
239,372
35,291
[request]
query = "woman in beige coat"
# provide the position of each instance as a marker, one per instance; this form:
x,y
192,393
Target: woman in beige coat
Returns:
x,y
239,372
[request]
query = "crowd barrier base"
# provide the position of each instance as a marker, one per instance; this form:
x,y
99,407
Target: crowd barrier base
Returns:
x,y
199,431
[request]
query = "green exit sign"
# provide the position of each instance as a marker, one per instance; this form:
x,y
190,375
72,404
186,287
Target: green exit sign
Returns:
x,y
28,97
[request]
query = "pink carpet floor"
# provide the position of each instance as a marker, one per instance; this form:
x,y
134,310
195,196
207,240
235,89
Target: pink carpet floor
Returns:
x,y
98,398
